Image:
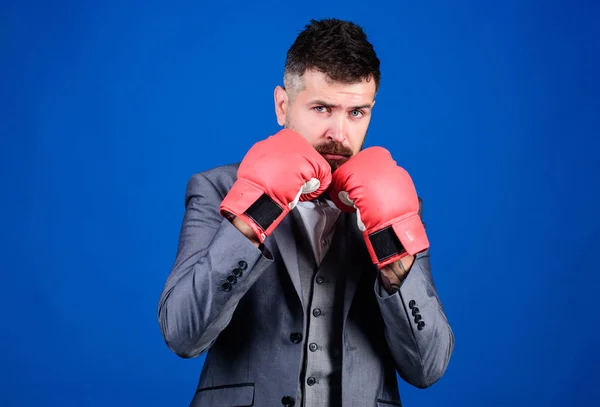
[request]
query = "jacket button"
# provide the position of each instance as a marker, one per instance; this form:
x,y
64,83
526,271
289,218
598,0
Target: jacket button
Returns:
x,y
295,337
411,304
287,401
226,286
320,280
242,265
421,325
231,279
415,311
237,272
418,317
311,381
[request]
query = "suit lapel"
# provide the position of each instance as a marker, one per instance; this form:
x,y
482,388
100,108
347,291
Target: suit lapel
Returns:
x,y
351,269
284,236
341,257
348,268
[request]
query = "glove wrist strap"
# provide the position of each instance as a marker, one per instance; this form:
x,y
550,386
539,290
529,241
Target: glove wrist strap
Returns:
x,y
398,238
384,246
264,212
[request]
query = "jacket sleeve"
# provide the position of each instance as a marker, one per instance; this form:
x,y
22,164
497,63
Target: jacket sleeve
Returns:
x,y
214,267
416,327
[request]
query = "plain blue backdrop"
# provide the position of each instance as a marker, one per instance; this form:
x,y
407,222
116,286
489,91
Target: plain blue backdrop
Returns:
x,y
108,108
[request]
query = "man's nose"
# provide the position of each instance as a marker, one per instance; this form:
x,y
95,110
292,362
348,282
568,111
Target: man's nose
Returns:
x,y
337,130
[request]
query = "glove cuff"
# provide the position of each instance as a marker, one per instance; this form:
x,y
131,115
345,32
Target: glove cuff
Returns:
x,y
254,206
401,237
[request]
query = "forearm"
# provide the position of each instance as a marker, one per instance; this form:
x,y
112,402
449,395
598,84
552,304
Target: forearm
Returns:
x,y
204,286
246,231
394,274
416,328
204,289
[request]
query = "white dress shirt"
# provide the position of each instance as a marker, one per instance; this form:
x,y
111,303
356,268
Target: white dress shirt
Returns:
x,y
319,217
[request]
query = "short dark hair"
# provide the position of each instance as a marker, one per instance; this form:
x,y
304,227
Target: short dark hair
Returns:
x,y
337,48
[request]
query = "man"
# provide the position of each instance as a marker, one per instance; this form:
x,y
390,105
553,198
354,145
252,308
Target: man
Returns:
x,y
304,270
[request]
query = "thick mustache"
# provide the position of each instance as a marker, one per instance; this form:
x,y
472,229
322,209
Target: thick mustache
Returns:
x,y
337,149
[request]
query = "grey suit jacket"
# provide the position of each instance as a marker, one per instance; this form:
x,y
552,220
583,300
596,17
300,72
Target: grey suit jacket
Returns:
x,y
244,306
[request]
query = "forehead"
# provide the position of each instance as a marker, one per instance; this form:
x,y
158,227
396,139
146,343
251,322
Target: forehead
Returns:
x,y
318,86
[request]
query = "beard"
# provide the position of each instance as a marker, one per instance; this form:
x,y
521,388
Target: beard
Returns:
x,y
334,148
331,147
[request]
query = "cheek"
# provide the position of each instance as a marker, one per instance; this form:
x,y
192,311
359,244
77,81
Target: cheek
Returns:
x,y
356,138
311,128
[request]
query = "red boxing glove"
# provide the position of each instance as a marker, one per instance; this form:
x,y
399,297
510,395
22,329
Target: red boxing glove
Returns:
x,y
384,197
274,175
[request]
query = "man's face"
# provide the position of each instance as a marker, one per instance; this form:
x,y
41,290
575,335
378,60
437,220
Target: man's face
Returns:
x,y
331,116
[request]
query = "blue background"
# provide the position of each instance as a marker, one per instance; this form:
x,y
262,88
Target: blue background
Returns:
x,y
109,107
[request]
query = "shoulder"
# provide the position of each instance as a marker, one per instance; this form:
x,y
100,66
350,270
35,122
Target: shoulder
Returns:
x,y
224,174
217,180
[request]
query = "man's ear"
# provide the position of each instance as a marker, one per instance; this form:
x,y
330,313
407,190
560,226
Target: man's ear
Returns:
x,y
281,100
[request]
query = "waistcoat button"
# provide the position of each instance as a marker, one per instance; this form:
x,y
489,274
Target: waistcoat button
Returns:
x,y
287,401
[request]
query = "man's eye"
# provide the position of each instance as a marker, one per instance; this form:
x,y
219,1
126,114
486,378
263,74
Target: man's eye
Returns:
x,y
357,113
320,109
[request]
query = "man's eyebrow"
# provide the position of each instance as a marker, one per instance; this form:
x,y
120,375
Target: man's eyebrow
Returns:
x,y
330,105
365,106
322,103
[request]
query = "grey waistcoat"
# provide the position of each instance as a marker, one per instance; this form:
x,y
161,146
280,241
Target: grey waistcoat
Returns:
x,y
320,379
